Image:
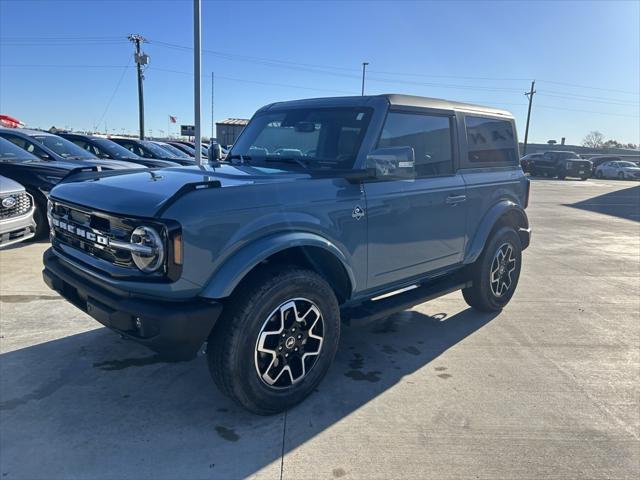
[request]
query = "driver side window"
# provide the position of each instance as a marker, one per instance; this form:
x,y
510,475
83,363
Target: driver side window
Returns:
x,y
428,135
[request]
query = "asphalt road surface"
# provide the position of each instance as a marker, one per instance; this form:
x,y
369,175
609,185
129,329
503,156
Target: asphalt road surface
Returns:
x,y
549,388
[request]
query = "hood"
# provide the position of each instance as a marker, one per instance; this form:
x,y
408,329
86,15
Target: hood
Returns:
x,y
143,194
9,186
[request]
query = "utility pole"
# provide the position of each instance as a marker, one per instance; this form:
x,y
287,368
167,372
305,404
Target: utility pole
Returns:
x,y
213,122
529,94
364,67
197,32
141,59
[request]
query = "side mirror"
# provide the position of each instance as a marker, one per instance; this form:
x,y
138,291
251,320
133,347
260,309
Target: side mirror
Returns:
x,y
214,153
392,162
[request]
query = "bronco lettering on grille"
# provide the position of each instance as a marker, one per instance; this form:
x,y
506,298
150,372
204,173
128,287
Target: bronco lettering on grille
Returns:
x,y
80,232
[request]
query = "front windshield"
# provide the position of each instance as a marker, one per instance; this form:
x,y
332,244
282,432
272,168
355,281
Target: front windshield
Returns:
x,y
113,149
11,153
304,137
63,147
156,150
176,151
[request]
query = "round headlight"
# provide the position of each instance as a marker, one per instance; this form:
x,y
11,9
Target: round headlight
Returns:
x,y
149,258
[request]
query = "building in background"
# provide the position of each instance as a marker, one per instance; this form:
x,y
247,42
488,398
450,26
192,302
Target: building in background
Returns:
x,y
227,131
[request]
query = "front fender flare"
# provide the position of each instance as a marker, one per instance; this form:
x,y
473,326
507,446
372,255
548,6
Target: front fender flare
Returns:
x,y
488,222
226,277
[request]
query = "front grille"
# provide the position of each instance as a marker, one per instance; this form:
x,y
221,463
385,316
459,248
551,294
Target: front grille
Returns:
x,y
23,203
99,225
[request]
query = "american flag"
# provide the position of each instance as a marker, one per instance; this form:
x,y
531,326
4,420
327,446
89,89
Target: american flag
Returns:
x,y
173,118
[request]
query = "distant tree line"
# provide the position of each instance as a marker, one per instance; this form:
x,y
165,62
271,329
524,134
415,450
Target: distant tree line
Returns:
x,y
595,139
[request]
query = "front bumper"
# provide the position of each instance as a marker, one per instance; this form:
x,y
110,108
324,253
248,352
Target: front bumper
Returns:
x,y
176,330
577,171
17,229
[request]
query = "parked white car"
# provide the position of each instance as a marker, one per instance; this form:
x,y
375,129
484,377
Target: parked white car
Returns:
x,y
16,213
621,169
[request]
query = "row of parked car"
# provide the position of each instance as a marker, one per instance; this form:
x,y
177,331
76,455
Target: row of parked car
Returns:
x,y
32,162
563,164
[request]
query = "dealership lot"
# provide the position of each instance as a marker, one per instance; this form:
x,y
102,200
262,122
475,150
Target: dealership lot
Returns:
x,y
549,388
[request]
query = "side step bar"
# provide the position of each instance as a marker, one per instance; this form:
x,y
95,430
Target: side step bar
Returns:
x,y
374,310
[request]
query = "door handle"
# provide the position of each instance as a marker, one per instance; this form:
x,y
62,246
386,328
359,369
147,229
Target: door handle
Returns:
x,y
455,199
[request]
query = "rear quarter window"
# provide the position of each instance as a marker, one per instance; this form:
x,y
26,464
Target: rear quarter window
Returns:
x,y
490,141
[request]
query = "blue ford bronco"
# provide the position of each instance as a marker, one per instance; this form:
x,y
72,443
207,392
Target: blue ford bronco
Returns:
x,y
330,208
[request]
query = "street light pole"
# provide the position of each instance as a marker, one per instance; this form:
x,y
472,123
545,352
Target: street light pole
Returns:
x,y
197,32
364,67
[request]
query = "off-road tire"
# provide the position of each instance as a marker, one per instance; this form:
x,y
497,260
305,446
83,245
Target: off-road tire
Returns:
x,y
480,295
232,344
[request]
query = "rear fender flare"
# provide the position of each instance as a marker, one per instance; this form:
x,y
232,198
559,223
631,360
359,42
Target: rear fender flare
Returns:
x,y
493,216
227,277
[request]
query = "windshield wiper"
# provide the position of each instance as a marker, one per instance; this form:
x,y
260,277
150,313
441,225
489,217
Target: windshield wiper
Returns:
x,y
238,156
279,159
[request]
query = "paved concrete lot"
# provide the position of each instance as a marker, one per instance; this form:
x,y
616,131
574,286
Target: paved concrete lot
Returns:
x,y
547,389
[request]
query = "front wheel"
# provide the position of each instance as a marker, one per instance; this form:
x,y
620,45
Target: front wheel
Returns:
x,y
621,176
276,339
495,274
599,174
40,216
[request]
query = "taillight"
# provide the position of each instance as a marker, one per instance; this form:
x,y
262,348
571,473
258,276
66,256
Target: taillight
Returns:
x,y
526,197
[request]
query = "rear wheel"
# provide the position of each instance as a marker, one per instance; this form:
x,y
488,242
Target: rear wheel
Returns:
x,y
495,274
562,176
276,339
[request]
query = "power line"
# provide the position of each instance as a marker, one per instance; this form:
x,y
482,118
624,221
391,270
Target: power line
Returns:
x,y
33,65
587,111
257,82
124,71
315,68
590,87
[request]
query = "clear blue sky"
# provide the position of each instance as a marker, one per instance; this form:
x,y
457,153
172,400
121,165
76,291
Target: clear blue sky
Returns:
x,y
61,60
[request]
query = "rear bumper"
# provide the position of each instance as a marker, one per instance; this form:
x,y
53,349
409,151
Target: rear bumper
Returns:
x,y
525,237
175,330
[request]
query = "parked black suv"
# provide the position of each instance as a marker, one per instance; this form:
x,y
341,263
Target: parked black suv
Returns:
x,y
38,176
560,164
147,149
52,148
104,148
